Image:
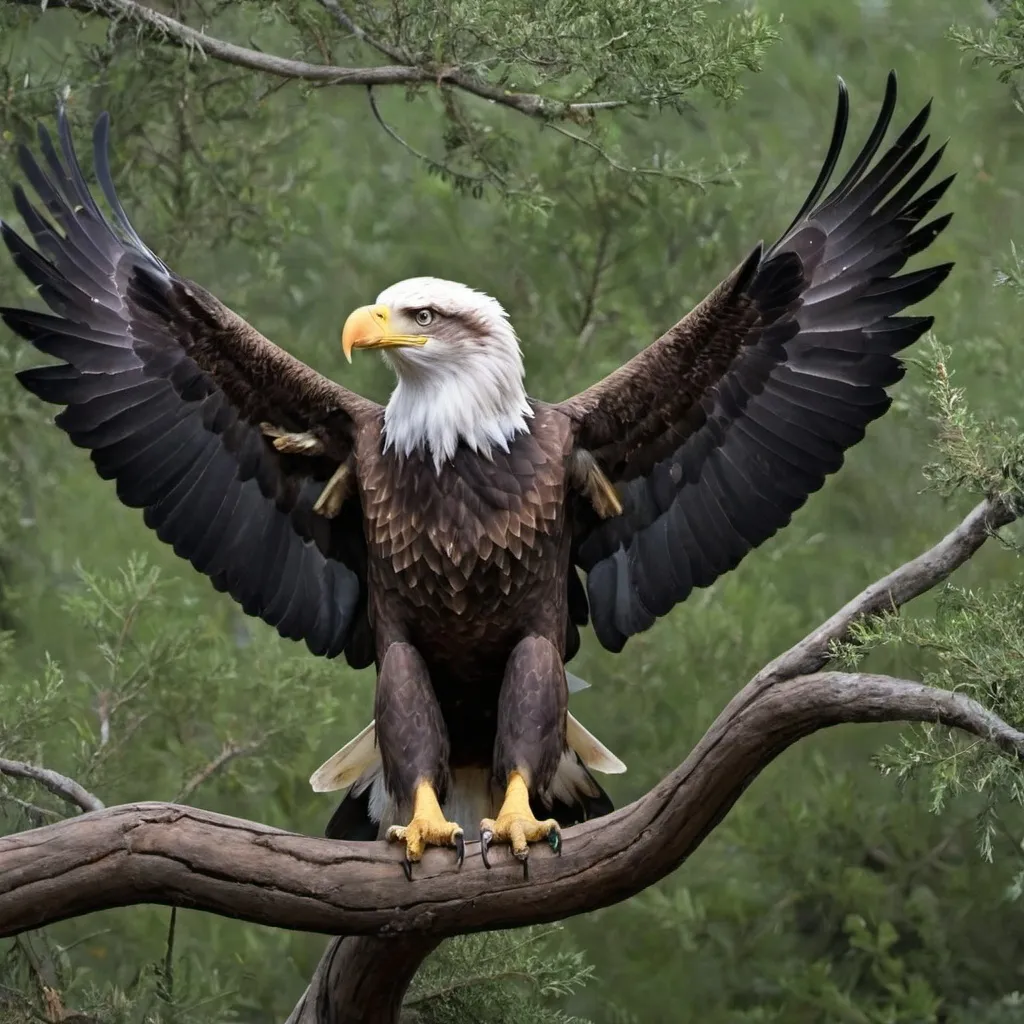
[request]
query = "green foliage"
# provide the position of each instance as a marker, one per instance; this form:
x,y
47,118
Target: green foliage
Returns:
x,y
828,894
637,59
515,974
1001,46
606,50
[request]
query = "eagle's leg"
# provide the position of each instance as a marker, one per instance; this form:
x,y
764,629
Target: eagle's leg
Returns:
x,y
530,742
414,753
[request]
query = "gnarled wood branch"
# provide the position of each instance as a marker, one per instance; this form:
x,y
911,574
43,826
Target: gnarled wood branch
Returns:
x,y
180,856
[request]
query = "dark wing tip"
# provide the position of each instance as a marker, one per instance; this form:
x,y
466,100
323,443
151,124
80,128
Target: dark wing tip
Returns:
x,y
101,134
42,133
835,147
105,178
8,234
747,270
939,274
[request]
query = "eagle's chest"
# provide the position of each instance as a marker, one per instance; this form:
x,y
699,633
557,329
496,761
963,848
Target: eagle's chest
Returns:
x,y
480,532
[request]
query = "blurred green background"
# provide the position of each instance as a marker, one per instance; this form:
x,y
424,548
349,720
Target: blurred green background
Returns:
x,y
828,893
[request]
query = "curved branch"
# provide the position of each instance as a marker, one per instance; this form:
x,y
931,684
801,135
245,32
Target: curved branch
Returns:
x,y
60,785
910,580
163,853
170,30
180,856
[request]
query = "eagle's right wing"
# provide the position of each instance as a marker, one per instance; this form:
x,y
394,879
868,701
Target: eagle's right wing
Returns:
x,y
718,431
167,388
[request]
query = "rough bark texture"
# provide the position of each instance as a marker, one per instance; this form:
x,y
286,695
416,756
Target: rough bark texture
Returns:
x,y
181,856
362,980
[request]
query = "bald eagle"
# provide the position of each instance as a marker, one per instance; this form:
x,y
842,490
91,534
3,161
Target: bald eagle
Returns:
x,y
442,537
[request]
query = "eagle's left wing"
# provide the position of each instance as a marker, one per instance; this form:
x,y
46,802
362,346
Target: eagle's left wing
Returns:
x,y
167,388
719,431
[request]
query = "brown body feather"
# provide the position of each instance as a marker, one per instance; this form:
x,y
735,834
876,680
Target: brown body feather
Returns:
x,y
467,562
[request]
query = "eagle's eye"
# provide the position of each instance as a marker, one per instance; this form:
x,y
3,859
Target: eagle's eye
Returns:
x,y
424,317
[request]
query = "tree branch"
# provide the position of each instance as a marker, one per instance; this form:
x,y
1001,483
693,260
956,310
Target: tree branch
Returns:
x,y
362,980
179,856
60,785
348,24
170,30
890,593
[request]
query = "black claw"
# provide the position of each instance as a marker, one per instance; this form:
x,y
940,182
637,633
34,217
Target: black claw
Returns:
x,y
407,867
460,849
555,842
486,838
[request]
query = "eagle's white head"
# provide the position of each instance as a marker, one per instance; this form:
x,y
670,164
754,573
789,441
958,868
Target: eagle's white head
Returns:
x,y
458,364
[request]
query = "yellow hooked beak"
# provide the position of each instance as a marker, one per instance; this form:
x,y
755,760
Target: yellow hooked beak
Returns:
x,y
367,327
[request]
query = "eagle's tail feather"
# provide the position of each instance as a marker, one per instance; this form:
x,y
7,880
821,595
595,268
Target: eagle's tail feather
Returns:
x,y
343,768
575,795
353,820
366,811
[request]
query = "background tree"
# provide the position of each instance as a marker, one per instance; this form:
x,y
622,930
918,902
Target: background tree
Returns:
x,y
826,894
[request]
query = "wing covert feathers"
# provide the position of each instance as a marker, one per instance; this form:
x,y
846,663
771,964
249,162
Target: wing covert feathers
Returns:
x,y
166,388
719,431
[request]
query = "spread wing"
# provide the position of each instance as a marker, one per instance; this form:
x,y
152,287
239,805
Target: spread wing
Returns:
x,y
167,387
721,429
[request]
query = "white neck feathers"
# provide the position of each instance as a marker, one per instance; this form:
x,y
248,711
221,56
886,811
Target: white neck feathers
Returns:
x,y
482,405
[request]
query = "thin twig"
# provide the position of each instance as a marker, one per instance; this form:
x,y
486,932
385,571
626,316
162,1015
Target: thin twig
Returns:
x,y
594,287
391,52
648,172
228,753
166,989
38,815
60,785
428,160
103,712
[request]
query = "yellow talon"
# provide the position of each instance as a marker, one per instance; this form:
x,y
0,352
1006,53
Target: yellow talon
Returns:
x,y
428,827
516,824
